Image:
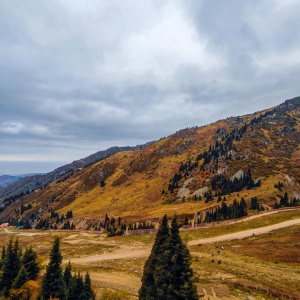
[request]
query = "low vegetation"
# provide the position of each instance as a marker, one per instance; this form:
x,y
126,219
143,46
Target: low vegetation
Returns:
x,y
254,266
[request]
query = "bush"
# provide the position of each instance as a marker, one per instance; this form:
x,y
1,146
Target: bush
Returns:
x,y
114,295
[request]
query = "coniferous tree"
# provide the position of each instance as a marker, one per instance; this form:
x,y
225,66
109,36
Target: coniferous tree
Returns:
x,y
68,275
254,204
11,266
21,278
53,283
167,272
181,284
76,290
89,293
30,263
3,253
148,289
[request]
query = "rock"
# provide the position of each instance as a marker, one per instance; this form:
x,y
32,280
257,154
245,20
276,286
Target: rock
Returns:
x,y
238,175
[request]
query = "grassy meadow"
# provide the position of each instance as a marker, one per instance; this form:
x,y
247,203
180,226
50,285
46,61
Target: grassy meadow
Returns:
x,y
265,266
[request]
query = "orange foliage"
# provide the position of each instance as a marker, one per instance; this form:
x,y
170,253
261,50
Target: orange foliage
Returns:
x,y
30,290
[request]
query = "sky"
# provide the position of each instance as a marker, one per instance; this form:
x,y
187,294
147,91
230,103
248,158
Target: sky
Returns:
x,y
80,76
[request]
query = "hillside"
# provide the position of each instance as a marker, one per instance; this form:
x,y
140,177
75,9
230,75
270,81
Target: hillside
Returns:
x,y
31,183
6,180
187,172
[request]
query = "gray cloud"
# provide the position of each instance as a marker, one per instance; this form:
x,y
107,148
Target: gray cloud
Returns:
x,y
78,78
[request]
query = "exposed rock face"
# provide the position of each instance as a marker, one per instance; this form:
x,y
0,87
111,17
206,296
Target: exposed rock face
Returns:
x,y
238,175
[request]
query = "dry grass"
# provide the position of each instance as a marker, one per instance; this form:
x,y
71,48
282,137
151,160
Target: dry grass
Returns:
x,y
248,267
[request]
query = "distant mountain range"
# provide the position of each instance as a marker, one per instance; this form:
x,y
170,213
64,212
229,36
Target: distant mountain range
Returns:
x,y
195,170
6,180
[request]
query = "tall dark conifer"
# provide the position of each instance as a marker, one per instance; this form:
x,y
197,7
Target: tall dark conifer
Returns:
x,y
76,290
181,281
89,293
148,290
167,272
30,263
11,266
21,278
68,275
3,253
53,282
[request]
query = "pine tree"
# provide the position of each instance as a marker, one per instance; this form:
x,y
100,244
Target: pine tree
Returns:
x,y
30,263
148,289
77,291
3,253
11,266
68,275
181,285
167,272
89,293
21,278
53,283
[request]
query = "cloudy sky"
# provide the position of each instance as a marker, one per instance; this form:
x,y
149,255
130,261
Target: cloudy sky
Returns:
x,y
80,76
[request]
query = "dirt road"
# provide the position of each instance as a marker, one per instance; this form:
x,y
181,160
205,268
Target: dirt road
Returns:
x,y
132,253
245,233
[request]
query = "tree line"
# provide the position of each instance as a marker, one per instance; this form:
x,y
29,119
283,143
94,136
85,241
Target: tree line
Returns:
x,y
19,273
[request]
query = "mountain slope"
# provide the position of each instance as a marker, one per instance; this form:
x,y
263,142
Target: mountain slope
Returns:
x,y
6,180
139,184
26,185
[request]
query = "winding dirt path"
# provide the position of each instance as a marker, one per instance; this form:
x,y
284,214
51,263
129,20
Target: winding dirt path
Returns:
x,y
245,233
131,253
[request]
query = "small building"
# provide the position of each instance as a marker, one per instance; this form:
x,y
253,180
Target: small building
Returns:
x,y
4,225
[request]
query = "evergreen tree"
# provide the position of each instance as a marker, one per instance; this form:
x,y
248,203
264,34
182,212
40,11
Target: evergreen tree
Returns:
x,y
21,278
53,283
68,275
148,289
167,272
77,291
254,204
11,266
30,263
89,293
181,285
3,253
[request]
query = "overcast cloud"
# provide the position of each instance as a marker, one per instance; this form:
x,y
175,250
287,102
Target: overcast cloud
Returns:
x,y
80,76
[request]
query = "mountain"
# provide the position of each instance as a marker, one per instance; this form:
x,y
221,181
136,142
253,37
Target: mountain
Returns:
x,y
6,180
255,156
35,181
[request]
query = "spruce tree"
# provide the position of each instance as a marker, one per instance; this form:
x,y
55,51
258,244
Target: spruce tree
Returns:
x,y
68,275
53,283
167,272
30,263
21,278
181,285
148,290
77,291
11,266
89,293
3,253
